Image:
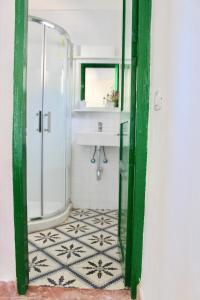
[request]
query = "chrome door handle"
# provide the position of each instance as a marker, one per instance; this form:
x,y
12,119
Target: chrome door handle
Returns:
x,y
39,114
48,115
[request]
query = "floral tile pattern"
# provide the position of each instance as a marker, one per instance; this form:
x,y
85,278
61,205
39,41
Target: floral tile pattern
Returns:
x,y
100,240
76,229
61,278
70,252
47,238
83,213
40,264
102,221
82,252
99,270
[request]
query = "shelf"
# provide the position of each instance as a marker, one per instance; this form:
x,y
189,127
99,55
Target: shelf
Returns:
x,y
104,110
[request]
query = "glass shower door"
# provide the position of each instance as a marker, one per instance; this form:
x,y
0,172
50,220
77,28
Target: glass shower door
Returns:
x,y
54,122
48,119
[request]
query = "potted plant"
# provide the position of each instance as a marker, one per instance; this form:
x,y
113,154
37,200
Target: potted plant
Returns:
x,y
113,98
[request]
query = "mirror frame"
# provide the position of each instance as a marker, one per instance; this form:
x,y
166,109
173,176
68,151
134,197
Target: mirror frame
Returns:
x,y
84,66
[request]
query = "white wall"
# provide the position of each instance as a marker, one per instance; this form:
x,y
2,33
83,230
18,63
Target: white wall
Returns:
x,y
171,259
7,253
87,192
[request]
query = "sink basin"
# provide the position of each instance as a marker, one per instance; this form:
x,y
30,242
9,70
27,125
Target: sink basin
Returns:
x,y
109,139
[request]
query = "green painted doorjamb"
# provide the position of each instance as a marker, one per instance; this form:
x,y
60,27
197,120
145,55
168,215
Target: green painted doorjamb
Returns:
x,y
141,119
132,161
127,256
19,145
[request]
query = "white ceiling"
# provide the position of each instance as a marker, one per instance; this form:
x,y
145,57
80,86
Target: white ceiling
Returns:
x,y
88,22
94,28
75,4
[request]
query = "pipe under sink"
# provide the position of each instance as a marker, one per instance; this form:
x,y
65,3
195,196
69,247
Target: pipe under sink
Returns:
x,y
99,168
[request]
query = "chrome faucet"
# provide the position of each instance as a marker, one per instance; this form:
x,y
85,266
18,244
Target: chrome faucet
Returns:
x,y
100,126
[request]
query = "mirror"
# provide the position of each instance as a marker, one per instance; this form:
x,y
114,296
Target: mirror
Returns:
x,y
100,85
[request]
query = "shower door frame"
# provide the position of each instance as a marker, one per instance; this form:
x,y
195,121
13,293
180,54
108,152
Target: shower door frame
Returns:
x,y
19,136
57,28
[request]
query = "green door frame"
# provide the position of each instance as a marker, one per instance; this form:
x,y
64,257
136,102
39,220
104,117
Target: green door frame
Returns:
x,y
19,146
142,48
19,141
141,138
140,87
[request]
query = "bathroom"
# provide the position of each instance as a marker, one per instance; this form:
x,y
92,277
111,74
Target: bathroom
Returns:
x,y
80,121
73,125
158,163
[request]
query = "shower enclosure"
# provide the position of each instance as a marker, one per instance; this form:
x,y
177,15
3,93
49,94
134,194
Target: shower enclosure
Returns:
x,y
49,81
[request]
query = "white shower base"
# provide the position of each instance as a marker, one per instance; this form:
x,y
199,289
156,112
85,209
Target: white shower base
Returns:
x,y
50,209
42,224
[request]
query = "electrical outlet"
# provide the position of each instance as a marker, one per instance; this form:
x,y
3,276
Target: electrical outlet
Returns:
x,y
158,101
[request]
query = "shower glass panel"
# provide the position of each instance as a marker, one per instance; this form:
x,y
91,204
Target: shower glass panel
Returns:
x,y
48,119
54,108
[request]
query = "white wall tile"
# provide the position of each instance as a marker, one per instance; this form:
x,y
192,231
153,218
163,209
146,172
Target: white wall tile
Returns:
x,y
87,192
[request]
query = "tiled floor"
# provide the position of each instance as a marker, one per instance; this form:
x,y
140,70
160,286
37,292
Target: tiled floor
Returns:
x,y
83,252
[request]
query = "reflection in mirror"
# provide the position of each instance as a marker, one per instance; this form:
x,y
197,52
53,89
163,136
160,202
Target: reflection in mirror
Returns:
x,y
99,85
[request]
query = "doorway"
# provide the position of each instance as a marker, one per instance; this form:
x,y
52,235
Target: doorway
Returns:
x,y
20,177
72,226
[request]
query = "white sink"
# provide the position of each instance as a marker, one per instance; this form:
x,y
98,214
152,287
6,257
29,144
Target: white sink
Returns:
x,y
109,139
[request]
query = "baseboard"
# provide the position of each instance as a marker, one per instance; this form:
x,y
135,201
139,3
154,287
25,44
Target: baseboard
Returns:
x,y
140,295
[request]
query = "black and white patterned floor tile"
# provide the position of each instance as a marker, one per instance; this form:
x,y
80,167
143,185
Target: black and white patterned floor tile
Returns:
x,y
41,264
100,240
47,238
82,252
112,230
